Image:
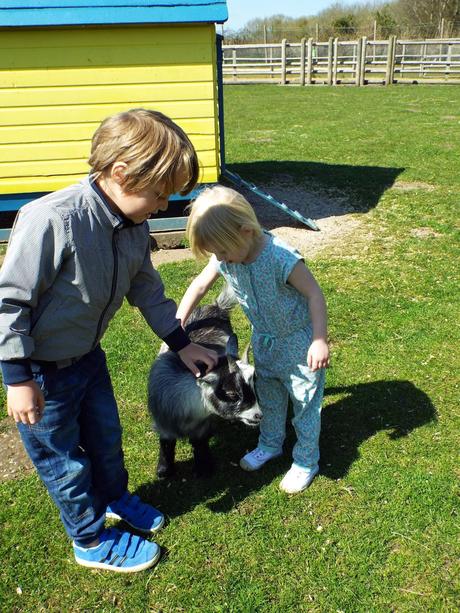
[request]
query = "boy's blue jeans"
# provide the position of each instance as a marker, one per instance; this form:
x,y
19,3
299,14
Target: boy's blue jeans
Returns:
x,y
76,446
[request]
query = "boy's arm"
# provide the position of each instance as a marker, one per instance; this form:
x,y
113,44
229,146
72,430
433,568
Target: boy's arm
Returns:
x,y
147,293
37,248
305,283
197,289
26,402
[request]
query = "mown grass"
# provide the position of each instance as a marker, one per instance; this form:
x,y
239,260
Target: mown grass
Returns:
x,y
378,529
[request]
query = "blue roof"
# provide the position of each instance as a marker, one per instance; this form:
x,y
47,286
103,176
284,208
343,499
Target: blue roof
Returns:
x,y
24,13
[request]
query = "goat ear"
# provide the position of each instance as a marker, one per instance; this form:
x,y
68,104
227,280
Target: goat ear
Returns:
x,y
232,365
245,356
232,345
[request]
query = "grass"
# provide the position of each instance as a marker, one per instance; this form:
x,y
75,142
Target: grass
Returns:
x,y
378,529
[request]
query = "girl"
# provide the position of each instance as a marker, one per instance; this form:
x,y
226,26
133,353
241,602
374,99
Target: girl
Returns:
x,y
287,310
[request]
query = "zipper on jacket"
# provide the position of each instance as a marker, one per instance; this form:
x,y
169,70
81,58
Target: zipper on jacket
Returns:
x,y
112,291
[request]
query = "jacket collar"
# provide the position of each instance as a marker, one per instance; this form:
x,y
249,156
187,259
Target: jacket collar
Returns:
x,y
116,220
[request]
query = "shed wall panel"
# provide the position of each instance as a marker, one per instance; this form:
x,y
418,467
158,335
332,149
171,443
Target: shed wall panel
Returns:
x,y
57,85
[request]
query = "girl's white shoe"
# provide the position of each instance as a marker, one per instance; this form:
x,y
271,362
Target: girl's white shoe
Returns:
x,y
298,478
256,458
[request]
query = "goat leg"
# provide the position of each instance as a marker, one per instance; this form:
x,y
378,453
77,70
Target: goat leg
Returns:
x,y
204,462
166,466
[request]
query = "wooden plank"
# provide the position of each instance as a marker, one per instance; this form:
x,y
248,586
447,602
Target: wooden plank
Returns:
x,y
97,112
102,94
58,38
167,223
194,127
60,150
335,61
330,51
283,62
66,166
136,54
15,185
309,61
101,75
363,61
302,61
358,65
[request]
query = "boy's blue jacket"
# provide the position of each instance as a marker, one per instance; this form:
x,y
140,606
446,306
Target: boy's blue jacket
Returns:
x,y
70,263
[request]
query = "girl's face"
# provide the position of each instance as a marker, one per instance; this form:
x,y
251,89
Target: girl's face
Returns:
x,y
242,253
235,255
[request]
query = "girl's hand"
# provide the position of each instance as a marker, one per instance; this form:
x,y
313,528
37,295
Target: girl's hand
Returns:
x,y
318,355
25,402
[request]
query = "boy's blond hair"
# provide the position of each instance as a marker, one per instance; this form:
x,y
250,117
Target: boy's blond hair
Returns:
x,y
152,146
216,218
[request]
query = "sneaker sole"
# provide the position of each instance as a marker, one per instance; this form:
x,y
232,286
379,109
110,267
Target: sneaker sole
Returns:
x,y
120,569
249,468
309,482
144,530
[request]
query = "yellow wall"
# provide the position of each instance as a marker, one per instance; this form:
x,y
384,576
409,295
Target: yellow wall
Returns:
x,y
56,85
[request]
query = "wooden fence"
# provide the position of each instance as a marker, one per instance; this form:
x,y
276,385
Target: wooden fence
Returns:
x,y
335,62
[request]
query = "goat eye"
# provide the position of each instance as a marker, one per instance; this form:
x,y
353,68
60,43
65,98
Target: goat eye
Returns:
x,y
232,395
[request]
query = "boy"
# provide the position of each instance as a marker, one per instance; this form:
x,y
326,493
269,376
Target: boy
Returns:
x,y
73,257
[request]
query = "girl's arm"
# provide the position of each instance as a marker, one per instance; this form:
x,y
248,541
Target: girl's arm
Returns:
x,y
197,289
305,283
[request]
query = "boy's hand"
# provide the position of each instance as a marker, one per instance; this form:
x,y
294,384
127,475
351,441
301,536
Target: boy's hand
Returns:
x,y
318,355
25,402
195,353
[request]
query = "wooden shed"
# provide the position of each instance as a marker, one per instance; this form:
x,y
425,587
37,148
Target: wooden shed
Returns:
x,y
67,64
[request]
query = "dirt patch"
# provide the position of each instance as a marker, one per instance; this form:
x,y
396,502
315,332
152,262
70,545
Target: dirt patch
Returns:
x,y
409,186
424,233
333,212
14,462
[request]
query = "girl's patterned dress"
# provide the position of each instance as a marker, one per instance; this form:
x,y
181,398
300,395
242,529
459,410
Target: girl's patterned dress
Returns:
x,y
281,336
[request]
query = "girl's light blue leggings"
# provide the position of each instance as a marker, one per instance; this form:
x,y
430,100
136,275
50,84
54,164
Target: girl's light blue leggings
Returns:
x,y
305,388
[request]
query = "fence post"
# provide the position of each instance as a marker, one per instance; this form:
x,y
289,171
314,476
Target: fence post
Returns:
x,y
359,51
330,50
335,60
363,60
234,64
309,60
302,61
283,62
390,60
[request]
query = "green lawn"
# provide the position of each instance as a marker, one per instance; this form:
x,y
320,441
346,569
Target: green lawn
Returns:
x,y
378,529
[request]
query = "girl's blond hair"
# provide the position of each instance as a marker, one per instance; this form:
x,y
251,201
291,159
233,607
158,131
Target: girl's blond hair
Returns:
x,y
152,146
216,218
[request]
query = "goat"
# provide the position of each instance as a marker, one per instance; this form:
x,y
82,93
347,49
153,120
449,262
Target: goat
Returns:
x,y
183,406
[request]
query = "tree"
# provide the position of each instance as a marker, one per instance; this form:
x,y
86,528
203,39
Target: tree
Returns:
x,y
423,17
386,23
345,25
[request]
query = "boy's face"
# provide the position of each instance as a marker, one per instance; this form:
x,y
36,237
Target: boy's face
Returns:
x,y
139,205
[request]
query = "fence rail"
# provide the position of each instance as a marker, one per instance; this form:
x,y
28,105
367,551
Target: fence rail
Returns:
x,y
335,62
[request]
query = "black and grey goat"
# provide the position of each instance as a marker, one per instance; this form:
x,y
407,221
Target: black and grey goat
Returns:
x,y
183,406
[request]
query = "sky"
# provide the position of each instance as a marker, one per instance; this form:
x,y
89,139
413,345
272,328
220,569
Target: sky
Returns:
x,y
242,11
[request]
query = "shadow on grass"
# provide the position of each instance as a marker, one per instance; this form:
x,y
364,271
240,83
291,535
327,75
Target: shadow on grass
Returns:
x,y
366,408
397,407
316,190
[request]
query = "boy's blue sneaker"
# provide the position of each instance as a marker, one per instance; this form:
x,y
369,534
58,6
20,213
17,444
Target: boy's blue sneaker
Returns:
x,y
136,513
121,552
